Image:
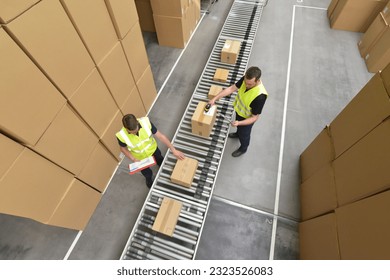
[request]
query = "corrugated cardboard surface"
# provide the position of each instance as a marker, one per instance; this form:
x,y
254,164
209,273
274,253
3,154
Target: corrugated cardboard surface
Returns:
x,y
10,150
10,9
364,112
172,31
25,93
108,139
318,193
147,88
48,35
167,216
385,75
363,170
184,171
379,55
372,35
145,13
331,7
364,228
214,90
319,153
221,75
123,14
386,12
318,239
134,105
202,124
230,51
172,8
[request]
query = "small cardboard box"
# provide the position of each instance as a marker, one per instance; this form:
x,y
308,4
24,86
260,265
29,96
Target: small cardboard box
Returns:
x,y
221,75
184,171
167,216
213,92
202,123
230,51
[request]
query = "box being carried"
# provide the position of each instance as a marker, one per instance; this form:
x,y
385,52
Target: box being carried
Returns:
x,y
184,171
167,216
202,123
230,51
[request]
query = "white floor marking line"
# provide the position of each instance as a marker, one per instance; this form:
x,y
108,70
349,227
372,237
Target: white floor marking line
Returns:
x,y
73,245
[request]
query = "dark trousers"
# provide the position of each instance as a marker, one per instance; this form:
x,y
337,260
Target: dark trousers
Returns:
x,y
147,172
244,134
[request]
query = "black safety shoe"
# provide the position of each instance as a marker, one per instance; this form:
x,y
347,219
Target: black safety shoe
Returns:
x,y
238,153
233,135
149,182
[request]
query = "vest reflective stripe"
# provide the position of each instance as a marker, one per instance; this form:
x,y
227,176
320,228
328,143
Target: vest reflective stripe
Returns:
x,y
244,99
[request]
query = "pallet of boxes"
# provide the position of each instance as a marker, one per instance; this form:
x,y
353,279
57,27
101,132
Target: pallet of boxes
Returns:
x,y
345,180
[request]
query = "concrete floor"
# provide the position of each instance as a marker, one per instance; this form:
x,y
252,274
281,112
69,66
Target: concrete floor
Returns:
x,y
310,71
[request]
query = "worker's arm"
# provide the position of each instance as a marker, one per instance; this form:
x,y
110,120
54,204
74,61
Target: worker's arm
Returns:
x,y
165,140
247,121
223,93
127,153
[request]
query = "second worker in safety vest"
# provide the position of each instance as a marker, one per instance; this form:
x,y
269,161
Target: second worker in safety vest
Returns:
x,y
136,141
249,103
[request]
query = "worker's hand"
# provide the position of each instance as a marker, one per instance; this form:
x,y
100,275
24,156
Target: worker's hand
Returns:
x,y
178,154
212,102
134,159
234,123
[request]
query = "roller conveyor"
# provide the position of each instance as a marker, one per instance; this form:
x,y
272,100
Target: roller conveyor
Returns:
x,y
241,25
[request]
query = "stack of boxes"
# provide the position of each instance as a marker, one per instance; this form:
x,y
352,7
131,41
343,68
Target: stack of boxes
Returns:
x,y
70,71
345,196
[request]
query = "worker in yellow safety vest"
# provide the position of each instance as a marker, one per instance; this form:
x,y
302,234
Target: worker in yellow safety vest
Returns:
x,y
248,105
136,142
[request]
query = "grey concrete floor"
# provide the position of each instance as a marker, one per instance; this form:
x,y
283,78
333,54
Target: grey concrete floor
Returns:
x,y
310,71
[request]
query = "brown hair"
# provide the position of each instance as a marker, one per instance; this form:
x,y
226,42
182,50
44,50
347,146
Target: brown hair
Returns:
x,y
130,122
253,72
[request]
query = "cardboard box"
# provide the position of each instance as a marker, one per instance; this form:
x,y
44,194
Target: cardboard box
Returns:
x,y
134,105
201,123
172,31
364,112
171,8
145,13
76,207
385,75
372,35
93,23
167,216
33,187
99,168
318,193
197,5
318,239
117,74
68,141
319,153
12,9
24,94
221,75
379,55
108,139
147,88
230,51
49,37
364,228
355,15
123,14
386,12
184,172
134,47
94,91
331,7
363,170
10,150
214,90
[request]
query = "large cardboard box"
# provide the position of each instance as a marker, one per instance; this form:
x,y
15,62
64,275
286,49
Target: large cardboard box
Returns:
x,y
318,239
76,207
355,15
49,37
93,22
373,34
201,123
134,47
171,8
99,168
145,13
318,193
94,103
331,7
221,75
10,9
386,12
230,51
172,31
184,171
385,75
364,112
68,141
116,73
109,139
363,170
379,55
147,88
364,228
123,14
319,153
134,105
213,91
25,94
10,150
32,187
167,216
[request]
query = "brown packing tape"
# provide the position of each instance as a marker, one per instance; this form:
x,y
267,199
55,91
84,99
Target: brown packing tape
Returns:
x,y
167,216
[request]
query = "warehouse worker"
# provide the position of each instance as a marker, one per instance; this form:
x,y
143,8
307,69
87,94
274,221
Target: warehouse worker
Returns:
x,y
248,105
136,141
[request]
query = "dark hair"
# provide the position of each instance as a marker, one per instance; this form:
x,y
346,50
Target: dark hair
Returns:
x,y
130,122
253,72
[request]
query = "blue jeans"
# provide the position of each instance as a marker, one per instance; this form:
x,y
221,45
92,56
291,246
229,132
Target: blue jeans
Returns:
x,y
147,172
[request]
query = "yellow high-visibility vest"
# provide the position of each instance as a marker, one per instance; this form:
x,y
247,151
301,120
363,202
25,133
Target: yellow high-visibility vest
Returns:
x,y
244,99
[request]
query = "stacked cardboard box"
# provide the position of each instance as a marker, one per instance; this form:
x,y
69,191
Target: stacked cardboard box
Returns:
x,y
354,171
68,80
145,14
